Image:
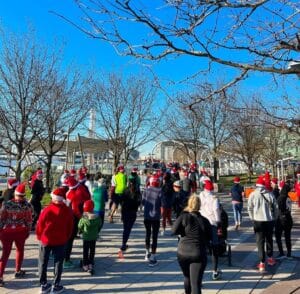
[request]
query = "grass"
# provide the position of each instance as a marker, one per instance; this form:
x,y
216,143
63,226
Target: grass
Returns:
x,y
45,201
227,181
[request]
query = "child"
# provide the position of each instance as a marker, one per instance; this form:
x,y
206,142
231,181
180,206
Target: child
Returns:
x,y
54,229
89,225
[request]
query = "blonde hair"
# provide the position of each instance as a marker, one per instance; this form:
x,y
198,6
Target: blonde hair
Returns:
x,y
193,203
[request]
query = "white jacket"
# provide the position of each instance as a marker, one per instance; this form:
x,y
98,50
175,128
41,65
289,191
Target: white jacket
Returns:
x,y
210,207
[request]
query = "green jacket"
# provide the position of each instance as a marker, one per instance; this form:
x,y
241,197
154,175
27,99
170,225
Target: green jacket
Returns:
x,y
89,225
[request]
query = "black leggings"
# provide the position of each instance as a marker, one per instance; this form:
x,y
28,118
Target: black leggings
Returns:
x,y
279,229
152,226
89,248
193,274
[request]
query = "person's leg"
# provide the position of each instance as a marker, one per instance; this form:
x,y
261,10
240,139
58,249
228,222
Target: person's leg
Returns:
x,y
92,252
147,224
44,252
163,218
169,216
288,243
240,209
128,222
215,251
260,240
20,242
7,242
59,254
85,260
185,268
196,275
278,236
269,238
155,230
235,213
69,244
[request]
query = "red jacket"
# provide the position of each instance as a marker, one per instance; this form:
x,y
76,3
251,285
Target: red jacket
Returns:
x,y
297,188
55,224
77,197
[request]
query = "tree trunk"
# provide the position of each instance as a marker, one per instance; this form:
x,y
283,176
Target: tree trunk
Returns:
x,y
216,167
48,173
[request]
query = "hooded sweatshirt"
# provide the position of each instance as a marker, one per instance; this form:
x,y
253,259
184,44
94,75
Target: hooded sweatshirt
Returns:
x,y
210,207
89,225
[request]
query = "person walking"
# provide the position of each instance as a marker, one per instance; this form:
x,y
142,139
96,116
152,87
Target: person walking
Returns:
x,y
180,198
37,193
9,193
152,205
210,208
237,194
130,203
284,222
15,226
262,210
195,236
54,229
89,226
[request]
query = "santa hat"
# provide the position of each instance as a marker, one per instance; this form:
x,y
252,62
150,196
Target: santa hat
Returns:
x,y
59,194
39,173
260,182
72,183
154,182
88,206
177,184
236,180
208,185
268,181
281,184
204,173
12,182
81,177
73,172
134,170
20,190
121,169
66,171
274,181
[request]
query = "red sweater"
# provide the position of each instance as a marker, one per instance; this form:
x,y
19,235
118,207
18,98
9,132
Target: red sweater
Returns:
x,y
55,225
77,197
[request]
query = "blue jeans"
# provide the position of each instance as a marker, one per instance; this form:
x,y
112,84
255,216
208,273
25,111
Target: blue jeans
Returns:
x,y
237,212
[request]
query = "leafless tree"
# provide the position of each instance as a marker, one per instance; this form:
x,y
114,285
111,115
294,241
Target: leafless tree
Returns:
x,y
125,113
65,106
25,69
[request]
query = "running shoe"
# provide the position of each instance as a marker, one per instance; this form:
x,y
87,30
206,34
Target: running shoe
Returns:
x,y
261,267
20,274
57,289
271,261
152,261
45,288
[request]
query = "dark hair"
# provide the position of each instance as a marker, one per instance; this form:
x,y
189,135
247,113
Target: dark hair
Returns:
x,y
98,176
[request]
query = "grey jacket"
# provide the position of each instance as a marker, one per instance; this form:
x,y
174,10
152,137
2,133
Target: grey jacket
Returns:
x,y
152,203
262,205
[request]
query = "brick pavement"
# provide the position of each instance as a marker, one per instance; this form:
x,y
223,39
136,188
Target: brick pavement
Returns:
x,y
133,275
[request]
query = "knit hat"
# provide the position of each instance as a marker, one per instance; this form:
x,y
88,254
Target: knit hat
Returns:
x,y
177,184
20,190
59,194
121,168
236,180
88,206
274,181
208,185
12,182
134,170
281,184
72,183
260,182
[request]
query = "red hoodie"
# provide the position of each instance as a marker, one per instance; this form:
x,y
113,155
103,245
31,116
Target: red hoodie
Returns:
x,y
55,224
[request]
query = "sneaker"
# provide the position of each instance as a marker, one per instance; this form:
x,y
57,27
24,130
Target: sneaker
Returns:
x,y
1,283
271,261
236,227
46,288
20,274
216,275
121,254
152,261
85,268
68,264
162,233
57,289
261,267
147,256
280,256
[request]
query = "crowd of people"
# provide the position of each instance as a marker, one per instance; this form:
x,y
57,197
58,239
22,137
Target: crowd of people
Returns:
x,y
181,198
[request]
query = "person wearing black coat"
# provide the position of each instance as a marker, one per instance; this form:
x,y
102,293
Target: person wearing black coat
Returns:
x,y
195,236
284,222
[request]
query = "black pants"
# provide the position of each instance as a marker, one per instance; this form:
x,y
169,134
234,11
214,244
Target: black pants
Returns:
x,y
193,274
152,228
37,207
128,218
59,254
89,248
285,227
69,245
264,237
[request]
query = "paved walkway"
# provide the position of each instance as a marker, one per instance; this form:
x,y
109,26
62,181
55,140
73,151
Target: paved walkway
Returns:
x,y
133,275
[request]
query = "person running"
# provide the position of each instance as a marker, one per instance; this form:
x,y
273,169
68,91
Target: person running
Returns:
x,y
166,202
54,228
237,194
195,235
15,226
130,203
180,198
152,203
262,210
118,186
210,208
284,222
89,225
100,196
37,193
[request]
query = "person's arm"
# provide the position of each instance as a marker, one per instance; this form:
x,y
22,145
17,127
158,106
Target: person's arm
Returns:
x,y
177,228
250,206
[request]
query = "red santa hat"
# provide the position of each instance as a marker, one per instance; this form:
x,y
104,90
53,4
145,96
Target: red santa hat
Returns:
x,y
236,180
134,170
59,194
12,182
208,186
268,181
121,169
20,190
39,173
81,177
274,181
260,182
88,206
281,184
72,183
154,181
204,173
73,172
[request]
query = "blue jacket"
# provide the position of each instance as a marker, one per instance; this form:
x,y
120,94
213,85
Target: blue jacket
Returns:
x,y
236,193
152,203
